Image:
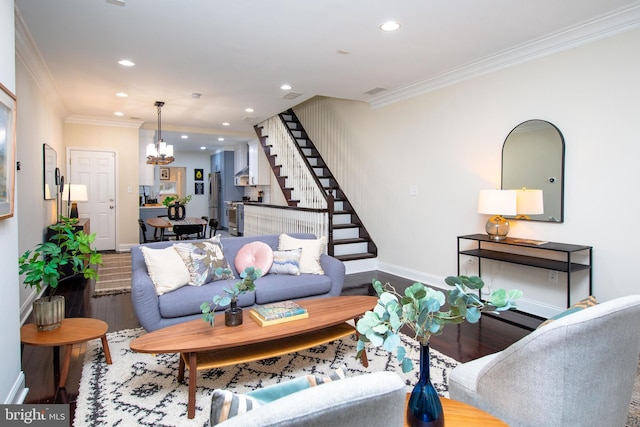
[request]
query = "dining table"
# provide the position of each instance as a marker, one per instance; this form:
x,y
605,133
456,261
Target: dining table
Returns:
x,y
163,223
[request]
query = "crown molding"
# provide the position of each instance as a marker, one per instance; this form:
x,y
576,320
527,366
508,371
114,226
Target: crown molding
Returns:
x,y
614,23
28,54
100,121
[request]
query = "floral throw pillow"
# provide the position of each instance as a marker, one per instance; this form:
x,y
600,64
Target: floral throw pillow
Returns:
x,y
202,259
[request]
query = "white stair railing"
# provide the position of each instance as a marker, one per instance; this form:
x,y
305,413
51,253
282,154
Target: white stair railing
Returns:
x,y
300,178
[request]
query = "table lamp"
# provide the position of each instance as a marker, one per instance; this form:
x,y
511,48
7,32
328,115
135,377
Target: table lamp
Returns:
x,y
528,202
497,203
76,193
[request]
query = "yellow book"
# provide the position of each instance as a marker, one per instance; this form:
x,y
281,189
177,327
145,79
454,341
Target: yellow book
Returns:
x,y
263,322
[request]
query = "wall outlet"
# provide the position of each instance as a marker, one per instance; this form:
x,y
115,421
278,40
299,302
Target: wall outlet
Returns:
x,y
553,276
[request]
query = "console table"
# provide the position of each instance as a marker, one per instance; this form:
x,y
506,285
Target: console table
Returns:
x,y
502,250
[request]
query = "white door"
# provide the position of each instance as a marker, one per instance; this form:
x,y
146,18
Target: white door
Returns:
x,y
96,170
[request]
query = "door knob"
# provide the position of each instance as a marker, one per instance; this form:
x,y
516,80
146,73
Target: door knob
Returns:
x,y
111,207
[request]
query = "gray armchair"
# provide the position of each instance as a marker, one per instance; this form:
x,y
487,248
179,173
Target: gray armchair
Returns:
x,y
576,371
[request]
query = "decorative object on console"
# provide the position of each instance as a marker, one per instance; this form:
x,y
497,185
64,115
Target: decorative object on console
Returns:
x,y
419,309
159,153
497,203
75,193
233,315
529,202
43,266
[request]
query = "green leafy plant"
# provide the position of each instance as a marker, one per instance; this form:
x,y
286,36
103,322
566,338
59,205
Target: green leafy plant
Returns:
x,y
421,310
44,264
248,276
182,200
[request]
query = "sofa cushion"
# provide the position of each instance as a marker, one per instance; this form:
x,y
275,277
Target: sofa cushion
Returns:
x,y
590,301
166,269
286,262
255,254
202,259
186,301
225,404
311,251
274,287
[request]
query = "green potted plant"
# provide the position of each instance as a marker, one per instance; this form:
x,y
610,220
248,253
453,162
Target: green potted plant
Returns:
x,y
67,253
233,315
421,310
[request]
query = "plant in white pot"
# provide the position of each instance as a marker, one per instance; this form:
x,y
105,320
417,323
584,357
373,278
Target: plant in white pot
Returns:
x,y
67,253
425,311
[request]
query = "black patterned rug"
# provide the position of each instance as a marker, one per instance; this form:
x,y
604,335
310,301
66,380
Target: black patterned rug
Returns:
x,y
142,390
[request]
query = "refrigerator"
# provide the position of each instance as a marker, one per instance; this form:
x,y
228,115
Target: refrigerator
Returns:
x,y
214,196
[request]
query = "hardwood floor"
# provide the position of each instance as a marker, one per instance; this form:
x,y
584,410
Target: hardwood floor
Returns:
x,y
464,342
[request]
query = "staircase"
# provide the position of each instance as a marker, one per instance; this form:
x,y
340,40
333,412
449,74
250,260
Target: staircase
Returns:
x,y
350,240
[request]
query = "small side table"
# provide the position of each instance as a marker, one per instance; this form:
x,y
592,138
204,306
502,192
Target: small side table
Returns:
x,y
72,331
458,414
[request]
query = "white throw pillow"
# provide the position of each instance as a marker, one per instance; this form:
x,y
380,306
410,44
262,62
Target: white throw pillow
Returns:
x,y
311,251
166,269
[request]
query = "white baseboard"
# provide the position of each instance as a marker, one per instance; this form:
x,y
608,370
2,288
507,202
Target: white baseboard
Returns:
x,y
126,247
18,392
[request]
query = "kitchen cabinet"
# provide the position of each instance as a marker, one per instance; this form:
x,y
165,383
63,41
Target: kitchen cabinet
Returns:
x,y
240,158
259,168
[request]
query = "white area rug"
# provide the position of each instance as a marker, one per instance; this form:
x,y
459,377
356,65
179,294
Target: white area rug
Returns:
x,y
142,390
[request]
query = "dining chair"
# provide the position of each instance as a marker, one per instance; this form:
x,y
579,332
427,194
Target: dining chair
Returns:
x,y
143,229
185,231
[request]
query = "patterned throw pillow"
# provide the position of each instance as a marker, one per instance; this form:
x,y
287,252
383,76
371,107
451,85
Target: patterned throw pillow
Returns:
x,y
202,259
579,306
286,262
225,404
311,251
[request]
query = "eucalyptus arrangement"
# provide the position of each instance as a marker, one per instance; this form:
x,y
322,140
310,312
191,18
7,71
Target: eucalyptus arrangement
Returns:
x,y
421,310
248,276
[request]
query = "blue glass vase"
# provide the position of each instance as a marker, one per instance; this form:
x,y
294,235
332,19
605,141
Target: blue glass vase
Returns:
x,y
424,408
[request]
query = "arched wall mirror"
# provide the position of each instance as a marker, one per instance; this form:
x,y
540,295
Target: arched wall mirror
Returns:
x,y
533,158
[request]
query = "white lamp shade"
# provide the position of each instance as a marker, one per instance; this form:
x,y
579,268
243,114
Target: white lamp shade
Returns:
x,y
77,193
497,202
529,202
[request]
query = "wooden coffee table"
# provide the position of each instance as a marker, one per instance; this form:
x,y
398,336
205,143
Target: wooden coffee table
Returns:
x,y
458,414
72,331
203,347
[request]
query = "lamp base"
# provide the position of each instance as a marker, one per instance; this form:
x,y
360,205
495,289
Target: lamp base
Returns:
x,y
74,210
497,228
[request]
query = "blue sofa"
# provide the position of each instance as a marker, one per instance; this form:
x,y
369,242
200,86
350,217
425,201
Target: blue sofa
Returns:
x,y
183,304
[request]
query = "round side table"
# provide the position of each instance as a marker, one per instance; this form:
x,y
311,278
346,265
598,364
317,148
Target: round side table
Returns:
x,y
72,331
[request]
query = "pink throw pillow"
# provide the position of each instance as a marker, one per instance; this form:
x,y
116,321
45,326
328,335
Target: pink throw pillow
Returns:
x,y
254,254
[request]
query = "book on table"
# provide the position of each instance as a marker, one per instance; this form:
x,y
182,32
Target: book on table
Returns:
x,y
278,312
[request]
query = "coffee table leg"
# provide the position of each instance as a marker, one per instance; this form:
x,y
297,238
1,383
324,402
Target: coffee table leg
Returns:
x,y
180,368
191,404
105,347
65,365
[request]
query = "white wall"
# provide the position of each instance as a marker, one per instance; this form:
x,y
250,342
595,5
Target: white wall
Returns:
x,y
11,377
448,143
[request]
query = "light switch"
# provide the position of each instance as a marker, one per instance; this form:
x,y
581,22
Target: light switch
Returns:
x,y
129,189
413,190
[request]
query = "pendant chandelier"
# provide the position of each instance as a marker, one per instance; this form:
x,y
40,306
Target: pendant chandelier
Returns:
x,y
159,153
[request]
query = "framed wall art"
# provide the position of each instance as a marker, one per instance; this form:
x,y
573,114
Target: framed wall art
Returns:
x,y
199,188
198,174
7,151
165,173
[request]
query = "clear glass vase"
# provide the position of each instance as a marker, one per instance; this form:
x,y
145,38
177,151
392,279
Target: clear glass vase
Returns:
x,y
424,408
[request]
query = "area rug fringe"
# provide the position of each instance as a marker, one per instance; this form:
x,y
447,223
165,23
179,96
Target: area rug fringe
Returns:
x,y
142,390
114,275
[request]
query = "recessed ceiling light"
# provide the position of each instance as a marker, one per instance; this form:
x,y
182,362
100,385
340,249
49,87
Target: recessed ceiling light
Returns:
x,y
203,148
196,95
285,87
226,124
184,136
390,26
122,94
118,113
248,110
221,139
126,63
